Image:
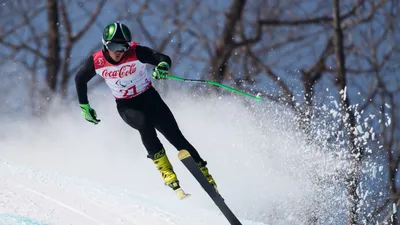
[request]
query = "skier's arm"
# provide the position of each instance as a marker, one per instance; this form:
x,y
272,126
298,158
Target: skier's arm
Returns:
x,y
85,73
150,56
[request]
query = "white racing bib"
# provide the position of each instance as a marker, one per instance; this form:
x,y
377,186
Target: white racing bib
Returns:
x,y
128,78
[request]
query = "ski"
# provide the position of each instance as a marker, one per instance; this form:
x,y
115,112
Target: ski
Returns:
x,y
187,160
181,194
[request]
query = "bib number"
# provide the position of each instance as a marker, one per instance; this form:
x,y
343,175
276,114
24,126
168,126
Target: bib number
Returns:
x,y
130,91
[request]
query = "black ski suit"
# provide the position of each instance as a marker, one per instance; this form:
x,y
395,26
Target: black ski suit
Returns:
x,y
145,112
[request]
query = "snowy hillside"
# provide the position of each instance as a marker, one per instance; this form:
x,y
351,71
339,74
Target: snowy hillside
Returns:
x,y
67,171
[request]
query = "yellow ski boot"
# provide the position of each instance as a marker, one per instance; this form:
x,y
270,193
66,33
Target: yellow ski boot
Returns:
x,y
205,172
163,164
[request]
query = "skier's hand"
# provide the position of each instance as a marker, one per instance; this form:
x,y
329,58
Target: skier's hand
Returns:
x,y
161,71
89,113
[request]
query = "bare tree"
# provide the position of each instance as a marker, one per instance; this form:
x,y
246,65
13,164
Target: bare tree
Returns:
x,y
45,46
225,45
348,116
53,54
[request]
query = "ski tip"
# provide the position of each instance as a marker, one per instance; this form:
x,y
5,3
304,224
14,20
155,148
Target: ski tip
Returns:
x,y
184,196
183,154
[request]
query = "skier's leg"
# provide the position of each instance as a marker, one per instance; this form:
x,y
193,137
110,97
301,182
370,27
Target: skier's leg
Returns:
x,y
165,122
139,121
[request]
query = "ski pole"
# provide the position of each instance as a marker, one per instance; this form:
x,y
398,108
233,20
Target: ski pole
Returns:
x,y
256,97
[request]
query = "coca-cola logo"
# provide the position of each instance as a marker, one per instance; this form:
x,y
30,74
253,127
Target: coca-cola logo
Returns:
x,y
124,71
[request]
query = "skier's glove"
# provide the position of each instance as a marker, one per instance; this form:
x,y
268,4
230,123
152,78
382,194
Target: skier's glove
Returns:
x,y
161,71
89,113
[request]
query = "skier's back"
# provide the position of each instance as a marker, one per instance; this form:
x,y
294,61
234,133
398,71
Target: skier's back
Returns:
x,y
122,64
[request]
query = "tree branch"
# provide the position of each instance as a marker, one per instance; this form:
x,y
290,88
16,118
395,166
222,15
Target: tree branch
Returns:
x,y
89,23
287,93
310,21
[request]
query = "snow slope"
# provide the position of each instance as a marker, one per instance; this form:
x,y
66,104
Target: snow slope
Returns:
x,y
64,170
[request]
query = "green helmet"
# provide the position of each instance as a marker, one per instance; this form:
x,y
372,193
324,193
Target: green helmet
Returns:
x,y
116,37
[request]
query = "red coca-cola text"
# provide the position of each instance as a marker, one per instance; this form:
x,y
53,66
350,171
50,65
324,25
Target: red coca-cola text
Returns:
x,y
124,71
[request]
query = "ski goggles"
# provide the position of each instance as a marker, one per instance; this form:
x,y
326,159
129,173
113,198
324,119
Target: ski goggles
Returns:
x,y
117,47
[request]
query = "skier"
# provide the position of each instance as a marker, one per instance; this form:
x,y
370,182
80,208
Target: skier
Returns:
x,y
122,64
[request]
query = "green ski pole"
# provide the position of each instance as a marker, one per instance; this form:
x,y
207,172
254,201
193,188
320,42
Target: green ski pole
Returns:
x,y
256,97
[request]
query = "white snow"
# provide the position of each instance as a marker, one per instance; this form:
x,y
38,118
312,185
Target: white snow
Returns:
x,y
389,121
49,198
334,113
64,170
374,171
365,136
